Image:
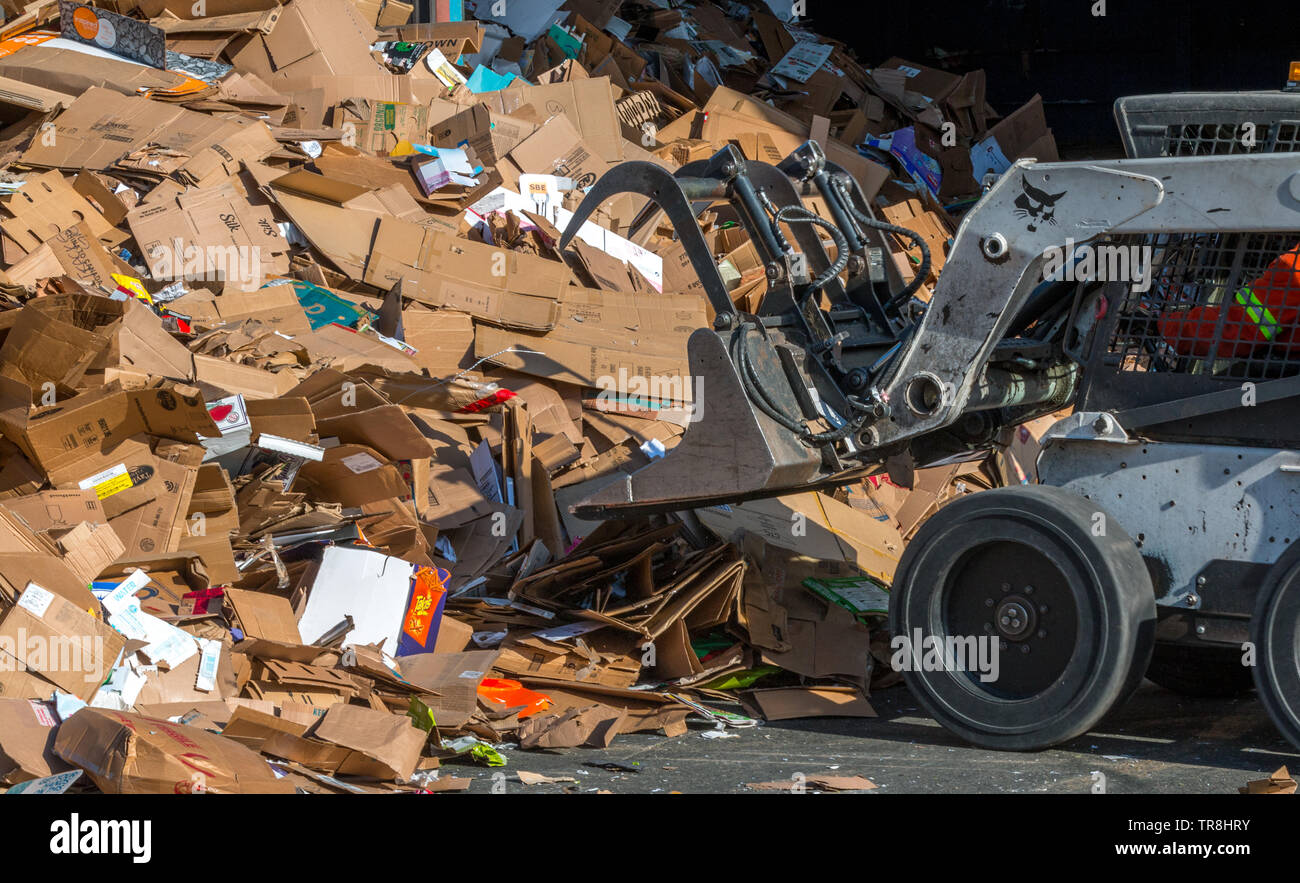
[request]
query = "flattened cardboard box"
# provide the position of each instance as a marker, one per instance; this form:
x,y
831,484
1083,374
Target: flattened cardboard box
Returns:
x,y
493,284
148,511
391,740
133,754
27,731
101,126
836,531
589,105
442,339
390,122
612,658
63,643
453,678
212,232
489,135
60,512
46,206
607,335
263,615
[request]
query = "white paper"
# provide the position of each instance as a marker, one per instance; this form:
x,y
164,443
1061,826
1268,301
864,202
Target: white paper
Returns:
x,y
376,612
206,679
100,477
168,644
66,705
128,621
36,600
802,61
647,263
233,420
986,157
441,68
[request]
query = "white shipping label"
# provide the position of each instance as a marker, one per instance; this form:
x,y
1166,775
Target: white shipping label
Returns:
x,y
360,463
36,600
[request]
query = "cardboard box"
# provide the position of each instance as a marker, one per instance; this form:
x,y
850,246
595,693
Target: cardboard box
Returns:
x,y
27,731
495,285
52,636
134,754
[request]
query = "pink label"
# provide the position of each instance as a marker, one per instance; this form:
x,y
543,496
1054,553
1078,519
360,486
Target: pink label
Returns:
x,y
42,713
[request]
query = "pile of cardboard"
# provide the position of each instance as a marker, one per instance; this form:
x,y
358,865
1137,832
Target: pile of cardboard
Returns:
x,y
296,390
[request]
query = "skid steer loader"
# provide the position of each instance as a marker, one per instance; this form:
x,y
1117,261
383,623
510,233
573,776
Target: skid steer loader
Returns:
x,y
1168,509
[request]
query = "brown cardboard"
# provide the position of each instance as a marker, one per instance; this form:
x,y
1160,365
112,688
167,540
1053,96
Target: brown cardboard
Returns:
x,y
51,635
47,205
102,125
601,657
1024,129
600,334
453,677
443,339
392,740
588,104
132,754
57,510
791,703
88,549
832,530
262,615
730,113
495,285
27,732
215,233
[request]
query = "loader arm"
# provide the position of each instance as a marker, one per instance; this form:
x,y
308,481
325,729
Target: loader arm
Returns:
x,y
834,377
995,255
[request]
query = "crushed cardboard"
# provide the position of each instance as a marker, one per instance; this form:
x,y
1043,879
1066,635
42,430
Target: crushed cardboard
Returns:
x,y
291,416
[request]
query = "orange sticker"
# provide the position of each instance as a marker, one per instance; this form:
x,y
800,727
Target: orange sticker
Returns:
x,y
85,22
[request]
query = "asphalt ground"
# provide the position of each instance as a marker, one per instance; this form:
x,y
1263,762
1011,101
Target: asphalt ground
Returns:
x,y
1158,742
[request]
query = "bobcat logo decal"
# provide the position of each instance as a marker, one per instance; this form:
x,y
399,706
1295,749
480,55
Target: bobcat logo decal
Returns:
x,y
1038,206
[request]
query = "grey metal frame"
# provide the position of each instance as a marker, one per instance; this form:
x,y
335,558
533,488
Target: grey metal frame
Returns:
x,y
996,257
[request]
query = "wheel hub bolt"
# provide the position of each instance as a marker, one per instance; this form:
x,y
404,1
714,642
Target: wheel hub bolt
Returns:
x,y
1024,648
1016,617
988,602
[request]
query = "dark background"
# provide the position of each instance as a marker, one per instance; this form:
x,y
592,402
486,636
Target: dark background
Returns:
x,y
1079,63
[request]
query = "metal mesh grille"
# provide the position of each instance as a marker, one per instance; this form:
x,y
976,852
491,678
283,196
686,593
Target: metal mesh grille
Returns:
x,y
1211,139
1223,306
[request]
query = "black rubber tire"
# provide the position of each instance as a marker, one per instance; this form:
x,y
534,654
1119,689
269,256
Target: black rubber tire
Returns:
x,y
1275,632
1204,672
1112,620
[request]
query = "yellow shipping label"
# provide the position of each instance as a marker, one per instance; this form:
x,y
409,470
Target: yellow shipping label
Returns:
x,y
108,482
